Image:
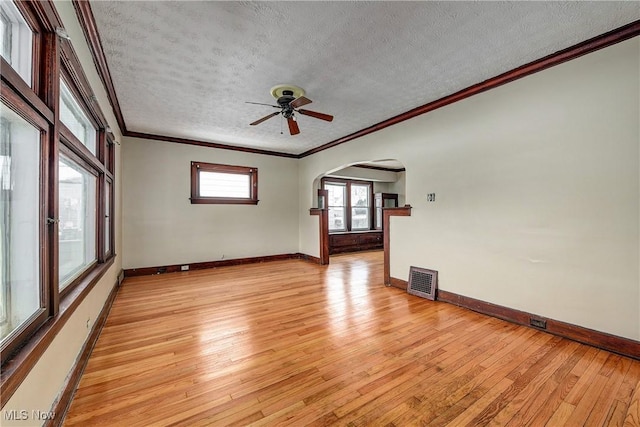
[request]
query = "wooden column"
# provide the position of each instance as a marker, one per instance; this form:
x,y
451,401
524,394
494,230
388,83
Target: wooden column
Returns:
x,y
387,213
323,213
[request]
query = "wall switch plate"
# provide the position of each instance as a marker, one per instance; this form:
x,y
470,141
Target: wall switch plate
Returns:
x,y
184,267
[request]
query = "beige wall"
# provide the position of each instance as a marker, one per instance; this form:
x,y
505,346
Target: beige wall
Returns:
x,y
537,192
43,384
162,227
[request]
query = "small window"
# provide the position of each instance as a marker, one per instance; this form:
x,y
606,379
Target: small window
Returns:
x,y
223,184
75,119
15,40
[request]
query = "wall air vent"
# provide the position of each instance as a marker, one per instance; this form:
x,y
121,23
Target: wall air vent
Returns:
x,y
423,282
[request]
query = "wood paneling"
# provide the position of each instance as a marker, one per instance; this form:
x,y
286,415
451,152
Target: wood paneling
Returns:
x,y
354,241
294,343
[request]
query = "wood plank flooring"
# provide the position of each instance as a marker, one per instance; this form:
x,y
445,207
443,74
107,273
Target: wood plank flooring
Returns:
x,y
294,343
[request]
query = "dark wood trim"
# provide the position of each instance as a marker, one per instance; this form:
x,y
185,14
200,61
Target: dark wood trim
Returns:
x,y
348,207
11,79
16,369
47,14
197,199
90,30
323,227
613,343
62,403
79,85
165,138
398,283
87,22
310,258
176,268
379,168
355,241
596,43
387,213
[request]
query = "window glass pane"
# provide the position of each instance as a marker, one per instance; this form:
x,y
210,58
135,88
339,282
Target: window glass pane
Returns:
x,y
77,227
336,203
107,218
217,184
75,119
359,207
359,218
337,221
19,221
15,40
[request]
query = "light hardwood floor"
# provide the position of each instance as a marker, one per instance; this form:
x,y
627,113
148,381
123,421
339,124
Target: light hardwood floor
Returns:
x,y
294,343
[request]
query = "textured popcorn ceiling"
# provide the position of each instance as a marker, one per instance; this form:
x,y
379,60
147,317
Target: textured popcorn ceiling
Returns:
x,y
185,69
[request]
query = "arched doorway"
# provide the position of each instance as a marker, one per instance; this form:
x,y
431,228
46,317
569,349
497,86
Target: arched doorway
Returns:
x,y
351,202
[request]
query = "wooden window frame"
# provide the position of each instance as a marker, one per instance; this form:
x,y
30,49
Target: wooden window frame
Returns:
x,y
37,319
348,207
52,59
252,172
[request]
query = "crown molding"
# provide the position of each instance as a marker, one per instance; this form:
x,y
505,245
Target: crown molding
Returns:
x,y
88,24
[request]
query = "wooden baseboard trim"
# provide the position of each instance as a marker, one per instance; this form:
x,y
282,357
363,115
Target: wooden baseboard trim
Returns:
x,y
613,343
61,405
398,283
176,268
310,258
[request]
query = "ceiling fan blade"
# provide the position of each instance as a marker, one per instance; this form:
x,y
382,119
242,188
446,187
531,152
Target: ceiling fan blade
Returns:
x,y
317,115
293,126
260,103
257,122
299,102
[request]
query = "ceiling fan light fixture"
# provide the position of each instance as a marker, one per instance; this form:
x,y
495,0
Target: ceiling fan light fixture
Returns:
x,y
279,90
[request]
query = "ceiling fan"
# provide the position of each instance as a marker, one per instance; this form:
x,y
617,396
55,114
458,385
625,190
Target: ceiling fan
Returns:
x,y
290,98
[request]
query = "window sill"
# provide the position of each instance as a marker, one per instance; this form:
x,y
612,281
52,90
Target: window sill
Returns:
x,y
220,201
16,369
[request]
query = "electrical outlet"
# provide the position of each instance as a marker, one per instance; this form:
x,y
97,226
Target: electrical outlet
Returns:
x,y
431,197
538,323
184,267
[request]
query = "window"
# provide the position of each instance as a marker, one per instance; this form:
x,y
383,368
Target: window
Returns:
x,y
360,206
21,297
349,204
77,220
337,206
75,119
223,184
16,40
56,190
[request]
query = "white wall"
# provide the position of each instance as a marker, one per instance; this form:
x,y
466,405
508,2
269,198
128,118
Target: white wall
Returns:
x,y
537,192
162,227
41,387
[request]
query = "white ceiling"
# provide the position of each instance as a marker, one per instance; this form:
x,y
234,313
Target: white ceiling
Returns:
x,y
185,69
